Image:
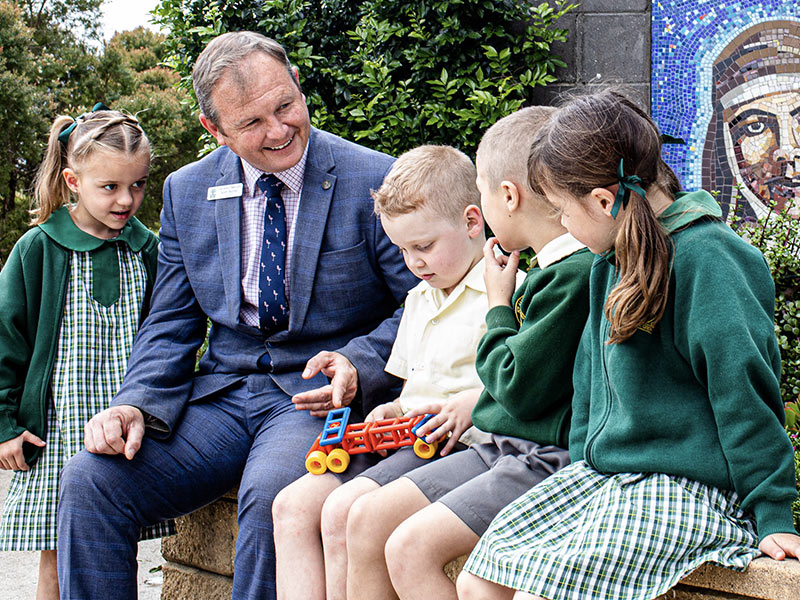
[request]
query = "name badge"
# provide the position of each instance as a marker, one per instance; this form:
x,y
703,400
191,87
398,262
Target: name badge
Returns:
x,y
225,191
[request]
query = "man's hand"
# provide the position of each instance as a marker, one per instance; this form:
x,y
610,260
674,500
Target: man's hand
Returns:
x,y
500,275
338,393
453,417
11,456
780,545
116,430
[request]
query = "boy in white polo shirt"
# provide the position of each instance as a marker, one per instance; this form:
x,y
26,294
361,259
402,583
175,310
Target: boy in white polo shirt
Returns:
x,y
428,205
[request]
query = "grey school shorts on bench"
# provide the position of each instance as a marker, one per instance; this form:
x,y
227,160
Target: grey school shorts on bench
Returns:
x,y
477,483
385,470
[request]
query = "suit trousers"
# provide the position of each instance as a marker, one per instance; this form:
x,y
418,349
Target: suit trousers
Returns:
x,y
250,435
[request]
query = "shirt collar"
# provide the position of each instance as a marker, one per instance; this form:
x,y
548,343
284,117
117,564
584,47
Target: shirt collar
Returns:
x,y
291,177
473,279
62,229
556,249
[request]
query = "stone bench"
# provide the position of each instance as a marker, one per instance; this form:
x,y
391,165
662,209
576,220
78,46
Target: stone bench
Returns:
x,y
200,565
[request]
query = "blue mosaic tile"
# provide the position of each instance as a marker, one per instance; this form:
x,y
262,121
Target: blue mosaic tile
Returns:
x,y
726,78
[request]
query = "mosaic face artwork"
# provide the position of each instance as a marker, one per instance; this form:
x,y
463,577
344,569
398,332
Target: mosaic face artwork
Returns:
x,y
727,79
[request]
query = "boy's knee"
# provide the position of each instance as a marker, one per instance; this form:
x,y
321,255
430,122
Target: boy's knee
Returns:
x,y
287,509
399,546
335,513
400,555
361,520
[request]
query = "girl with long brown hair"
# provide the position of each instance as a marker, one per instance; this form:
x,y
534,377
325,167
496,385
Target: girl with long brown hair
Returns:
x,y
71,298
677,445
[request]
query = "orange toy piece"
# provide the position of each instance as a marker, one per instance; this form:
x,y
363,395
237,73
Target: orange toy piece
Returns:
x,y
338,441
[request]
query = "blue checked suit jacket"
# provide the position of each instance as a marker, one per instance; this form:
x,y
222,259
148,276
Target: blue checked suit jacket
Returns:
x,y
347,281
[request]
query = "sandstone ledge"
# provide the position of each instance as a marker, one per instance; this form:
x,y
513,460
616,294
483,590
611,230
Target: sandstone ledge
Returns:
x,y
201,564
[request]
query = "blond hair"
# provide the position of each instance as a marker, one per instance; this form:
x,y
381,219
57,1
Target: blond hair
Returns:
x,y
505,146
579,150
103,130
438,177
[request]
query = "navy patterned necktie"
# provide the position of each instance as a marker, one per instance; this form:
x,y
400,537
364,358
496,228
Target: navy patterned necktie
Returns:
x,y
273,311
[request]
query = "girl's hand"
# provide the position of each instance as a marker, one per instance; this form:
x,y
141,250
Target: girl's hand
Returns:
x,y
453,417
500,274
780,545
11,456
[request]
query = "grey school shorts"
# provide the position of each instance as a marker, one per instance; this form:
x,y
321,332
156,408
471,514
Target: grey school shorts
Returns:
x,y
477,483
385,470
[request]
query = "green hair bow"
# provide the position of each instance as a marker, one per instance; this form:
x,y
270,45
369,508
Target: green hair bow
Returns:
x,y
627,184
63,137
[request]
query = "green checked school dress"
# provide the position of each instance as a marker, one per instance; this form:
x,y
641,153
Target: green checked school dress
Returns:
x,y
628,536
91,357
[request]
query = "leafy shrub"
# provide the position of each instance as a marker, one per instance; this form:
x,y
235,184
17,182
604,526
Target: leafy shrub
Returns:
x,y
777,235
13,226
794,436
389,74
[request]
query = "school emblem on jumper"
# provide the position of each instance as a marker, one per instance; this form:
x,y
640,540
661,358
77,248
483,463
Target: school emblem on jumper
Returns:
x,y
518,314
648,327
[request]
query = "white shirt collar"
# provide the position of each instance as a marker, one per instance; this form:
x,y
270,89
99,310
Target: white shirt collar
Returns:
x,y
556,249
291,177
473,279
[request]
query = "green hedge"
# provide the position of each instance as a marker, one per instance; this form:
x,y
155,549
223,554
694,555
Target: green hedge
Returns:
x,y
391,75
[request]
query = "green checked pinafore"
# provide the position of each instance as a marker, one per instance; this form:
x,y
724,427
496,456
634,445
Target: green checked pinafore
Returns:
x,y
628,536
93,348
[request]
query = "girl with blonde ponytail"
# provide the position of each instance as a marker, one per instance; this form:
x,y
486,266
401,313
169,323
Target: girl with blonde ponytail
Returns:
x,y
678,458
72,295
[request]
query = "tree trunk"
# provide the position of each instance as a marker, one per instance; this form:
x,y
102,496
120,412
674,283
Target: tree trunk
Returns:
x,y
8,202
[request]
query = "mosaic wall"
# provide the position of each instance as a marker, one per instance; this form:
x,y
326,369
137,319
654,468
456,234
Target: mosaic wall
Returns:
x,y
726,79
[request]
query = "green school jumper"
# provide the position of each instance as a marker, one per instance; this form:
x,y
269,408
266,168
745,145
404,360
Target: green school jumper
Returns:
x,y
525,358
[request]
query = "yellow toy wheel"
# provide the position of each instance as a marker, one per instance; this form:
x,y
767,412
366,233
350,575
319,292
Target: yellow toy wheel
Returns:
x,y
316,462
423,449
338,460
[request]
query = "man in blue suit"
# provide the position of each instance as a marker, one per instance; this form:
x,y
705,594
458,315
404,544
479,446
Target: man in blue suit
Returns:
x,y
250,412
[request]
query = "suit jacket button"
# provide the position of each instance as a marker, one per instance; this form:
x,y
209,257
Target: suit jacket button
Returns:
x,y
326,185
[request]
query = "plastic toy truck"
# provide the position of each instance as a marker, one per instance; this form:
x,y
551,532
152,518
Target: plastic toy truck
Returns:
x,y
338,440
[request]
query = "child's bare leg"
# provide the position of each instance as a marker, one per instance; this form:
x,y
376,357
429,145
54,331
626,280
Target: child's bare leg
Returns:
x,y
47,587
372,519
296,516
421,546
472,587
334,533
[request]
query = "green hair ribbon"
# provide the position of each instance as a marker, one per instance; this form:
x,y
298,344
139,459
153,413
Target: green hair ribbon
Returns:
x,y
63,137
627,184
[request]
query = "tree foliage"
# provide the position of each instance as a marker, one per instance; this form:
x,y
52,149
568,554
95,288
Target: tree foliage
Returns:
x,y
777,235
21,122
391,74
50,65
46,66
